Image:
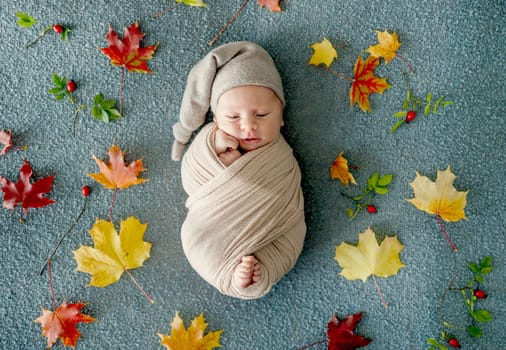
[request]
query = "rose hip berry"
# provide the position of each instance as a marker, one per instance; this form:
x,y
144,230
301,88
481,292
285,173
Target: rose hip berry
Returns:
x,y
371,209
71,86
85,191
410,116
58,28
454,343
480,294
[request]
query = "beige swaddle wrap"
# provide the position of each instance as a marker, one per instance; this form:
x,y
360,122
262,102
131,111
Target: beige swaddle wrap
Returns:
x,y
253,207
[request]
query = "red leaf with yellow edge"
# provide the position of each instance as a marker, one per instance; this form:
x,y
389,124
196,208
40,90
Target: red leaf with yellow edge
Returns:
x,y
341,333
272,5
29,195
62,322
127,52
117,174
339,170
365,83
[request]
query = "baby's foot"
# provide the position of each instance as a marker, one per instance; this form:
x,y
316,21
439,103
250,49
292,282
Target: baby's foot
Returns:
x,y
247,272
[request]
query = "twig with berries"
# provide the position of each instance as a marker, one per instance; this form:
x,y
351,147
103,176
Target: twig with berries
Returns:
x,y
471,294
27,21
411,104
85,191
376,184
102,109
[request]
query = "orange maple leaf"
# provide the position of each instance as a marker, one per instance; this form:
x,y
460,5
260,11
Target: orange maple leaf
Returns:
x,y
62,322
127,52
365,83
339,170
272,5
117,174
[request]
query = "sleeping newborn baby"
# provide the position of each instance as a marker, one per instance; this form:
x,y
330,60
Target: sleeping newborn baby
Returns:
x,y
245,224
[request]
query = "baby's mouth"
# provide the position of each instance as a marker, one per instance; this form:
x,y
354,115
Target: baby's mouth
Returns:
x,y
251,140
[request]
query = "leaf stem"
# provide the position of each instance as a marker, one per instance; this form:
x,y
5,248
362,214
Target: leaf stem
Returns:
x,y
440,304
340,75
83,208
53,298
121,84
378,289
232,20
313,344
452,245
114,197
140,288
411,69
44,32
161,13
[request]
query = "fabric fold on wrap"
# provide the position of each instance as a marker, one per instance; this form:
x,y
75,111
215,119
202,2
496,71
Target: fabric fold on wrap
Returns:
x,y
253,207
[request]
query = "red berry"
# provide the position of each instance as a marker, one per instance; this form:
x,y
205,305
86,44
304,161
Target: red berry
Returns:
x,y
58,28
454,343
371,209
480,294
71,86
85,191
410,116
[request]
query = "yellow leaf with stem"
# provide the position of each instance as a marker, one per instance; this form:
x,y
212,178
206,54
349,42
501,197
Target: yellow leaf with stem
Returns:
x,y
368,258
113,253
324,53
440,197
191,338
388,44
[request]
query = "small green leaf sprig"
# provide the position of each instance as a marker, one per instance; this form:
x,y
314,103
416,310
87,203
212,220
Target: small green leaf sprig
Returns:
x,y
102,108
472,294
410,105
27,21
376,184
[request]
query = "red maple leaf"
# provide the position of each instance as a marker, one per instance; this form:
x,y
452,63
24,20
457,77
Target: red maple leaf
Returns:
x,y
127,52
341,336
365,83
272,5
62,322
6,140
30,195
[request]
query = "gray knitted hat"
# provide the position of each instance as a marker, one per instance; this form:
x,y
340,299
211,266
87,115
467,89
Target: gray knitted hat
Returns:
x,y
226,67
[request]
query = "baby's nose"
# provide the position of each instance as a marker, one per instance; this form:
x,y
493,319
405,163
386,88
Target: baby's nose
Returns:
x,y
248,124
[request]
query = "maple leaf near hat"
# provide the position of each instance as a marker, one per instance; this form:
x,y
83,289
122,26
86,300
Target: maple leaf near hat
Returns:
x,y
226,67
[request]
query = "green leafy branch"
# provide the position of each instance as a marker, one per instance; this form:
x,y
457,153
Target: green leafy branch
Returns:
x,y
101,109
411,104
376,184
471,294
27,21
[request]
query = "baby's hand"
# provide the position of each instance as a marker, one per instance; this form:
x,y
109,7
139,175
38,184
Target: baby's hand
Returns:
x,y
228,157
223,142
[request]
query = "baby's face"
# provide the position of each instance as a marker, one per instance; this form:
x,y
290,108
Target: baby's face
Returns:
x,y
252,114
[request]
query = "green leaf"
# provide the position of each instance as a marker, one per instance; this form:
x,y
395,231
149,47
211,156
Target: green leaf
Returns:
x,y
446,103
192,2
114,114
479,278
474,331
437,104
381,190
25,20
349,211
385,180
55,90
486,262
108,104
436,344
481,315
429,97
400,114
98,98
427,109
408,95
96,112
474,267
405,104
372,181
64,34
396,125
105,116
60,97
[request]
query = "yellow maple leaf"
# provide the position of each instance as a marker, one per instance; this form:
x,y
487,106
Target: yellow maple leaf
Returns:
x,y
369,258
365,82
113,253
440,197
116,174
324,53
339,170
388,44
192,338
